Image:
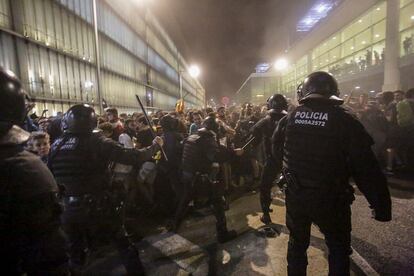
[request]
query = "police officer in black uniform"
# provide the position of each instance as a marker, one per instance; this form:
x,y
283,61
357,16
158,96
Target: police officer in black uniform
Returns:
x,y
322,145
31,240
262,131
79,160
168,172
201,155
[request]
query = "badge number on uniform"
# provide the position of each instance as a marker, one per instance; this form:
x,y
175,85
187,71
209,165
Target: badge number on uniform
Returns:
x,y
311,118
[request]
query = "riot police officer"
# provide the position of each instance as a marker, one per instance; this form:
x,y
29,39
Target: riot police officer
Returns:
x,y
79,160
168,171
201,155
262,131
322,145
31,240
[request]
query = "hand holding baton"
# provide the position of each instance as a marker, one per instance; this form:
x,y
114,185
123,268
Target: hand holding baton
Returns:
x,y
248,142
150,125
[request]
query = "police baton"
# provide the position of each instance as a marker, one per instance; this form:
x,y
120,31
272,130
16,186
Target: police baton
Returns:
x,y
248,142
150,125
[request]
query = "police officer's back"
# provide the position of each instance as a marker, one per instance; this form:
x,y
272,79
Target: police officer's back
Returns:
x,y
200,152
79,160
322,146
31,240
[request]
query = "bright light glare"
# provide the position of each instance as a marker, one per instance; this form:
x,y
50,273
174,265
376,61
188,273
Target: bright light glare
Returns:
x,y
357,87
281,64
321,8
308,21
194,71
88,84
412,17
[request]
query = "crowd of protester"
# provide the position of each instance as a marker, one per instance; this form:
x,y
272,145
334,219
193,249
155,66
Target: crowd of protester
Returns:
x,y
389,120
388,117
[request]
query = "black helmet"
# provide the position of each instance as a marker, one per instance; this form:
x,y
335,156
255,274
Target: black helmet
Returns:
x,y
80,118
211,123
12,99
277,102
319,85
169,123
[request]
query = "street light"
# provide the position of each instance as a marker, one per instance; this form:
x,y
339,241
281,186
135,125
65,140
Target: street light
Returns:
x,y
281,64
194,71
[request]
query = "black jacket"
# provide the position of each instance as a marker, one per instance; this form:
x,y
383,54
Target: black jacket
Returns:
x,y
355,158
201,150
31,240
79,161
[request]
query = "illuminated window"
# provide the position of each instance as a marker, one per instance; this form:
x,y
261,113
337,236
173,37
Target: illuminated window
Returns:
x,y
407,17
404,3
379,31
407,27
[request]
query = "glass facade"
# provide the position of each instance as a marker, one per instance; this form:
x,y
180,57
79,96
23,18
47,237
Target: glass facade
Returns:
x,y
4,14
50,44
259,87
406,27
357,47
294,76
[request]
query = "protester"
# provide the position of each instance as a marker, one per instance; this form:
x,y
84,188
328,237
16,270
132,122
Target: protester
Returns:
x,y
196,125
39,144
129,136
117,126
405,118
144,134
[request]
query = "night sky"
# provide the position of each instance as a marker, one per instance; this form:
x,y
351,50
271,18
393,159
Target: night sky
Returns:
x,y
228,38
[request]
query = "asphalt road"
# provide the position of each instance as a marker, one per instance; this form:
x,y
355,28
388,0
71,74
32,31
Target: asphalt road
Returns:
x,y
387,247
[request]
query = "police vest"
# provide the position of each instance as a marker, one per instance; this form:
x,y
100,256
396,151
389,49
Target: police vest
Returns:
x,y
75,166
312,150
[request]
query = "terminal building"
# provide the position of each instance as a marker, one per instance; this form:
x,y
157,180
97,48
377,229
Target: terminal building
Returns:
x,y
52,46
367,45
259,85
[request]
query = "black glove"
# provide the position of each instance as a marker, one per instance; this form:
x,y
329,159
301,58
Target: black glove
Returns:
x,y
382,215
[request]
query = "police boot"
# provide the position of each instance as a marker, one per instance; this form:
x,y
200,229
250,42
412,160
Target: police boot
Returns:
x,y
223,235
265,203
